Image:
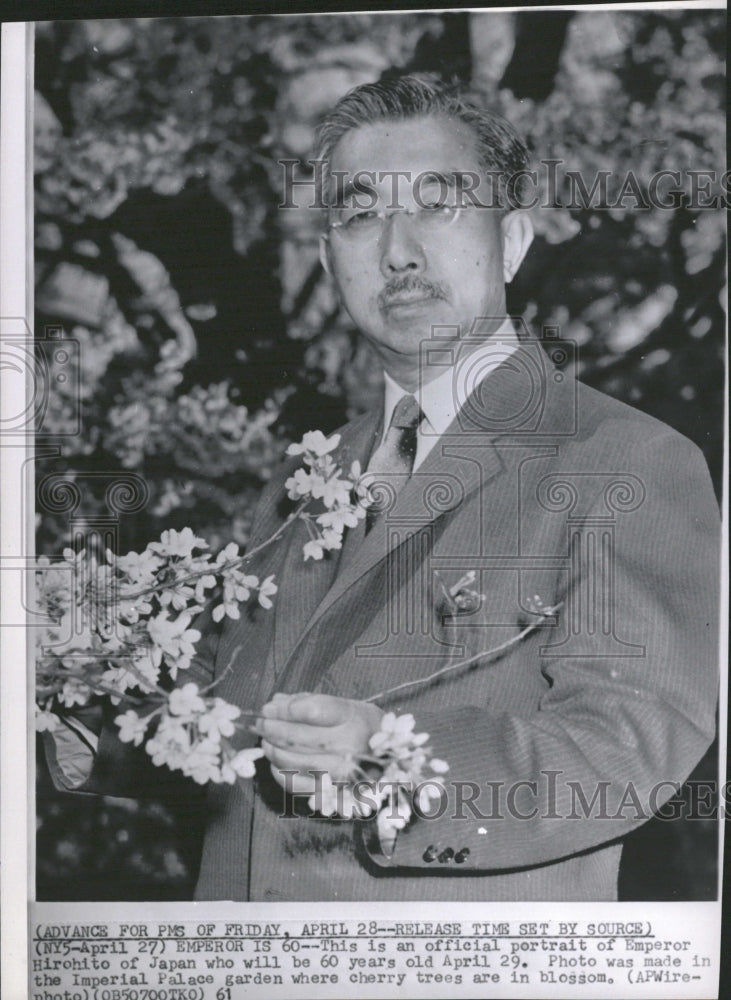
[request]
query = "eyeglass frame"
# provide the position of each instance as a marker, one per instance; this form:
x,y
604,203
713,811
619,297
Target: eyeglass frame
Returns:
x,y
422,211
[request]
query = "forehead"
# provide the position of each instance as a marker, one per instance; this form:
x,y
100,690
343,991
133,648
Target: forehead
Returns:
x,y
425,143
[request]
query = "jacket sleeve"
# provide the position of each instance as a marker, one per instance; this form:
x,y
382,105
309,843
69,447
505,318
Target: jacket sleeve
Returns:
x,y
84,754
612,738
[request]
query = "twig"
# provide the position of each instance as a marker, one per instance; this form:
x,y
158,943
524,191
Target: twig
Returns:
x,y
213,569
462,663
97,687
226,669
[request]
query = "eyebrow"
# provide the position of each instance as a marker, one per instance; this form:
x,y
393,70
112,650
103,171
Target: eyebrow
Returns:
x,y
363,187
450,176
454,179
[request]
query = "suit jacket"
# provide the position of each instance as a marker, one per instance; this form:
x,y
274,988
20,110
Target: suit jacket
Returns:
x,y
544,487
559,745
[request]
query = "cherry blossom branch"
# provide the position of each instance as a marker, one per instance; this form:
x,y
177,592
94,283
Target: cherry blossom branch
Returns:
x,y
95,686
127,654
206,570
191,727
226,670
461,664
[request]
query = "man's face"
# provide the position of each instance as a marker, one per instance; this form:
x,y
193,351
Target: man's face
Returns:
x,y
404,280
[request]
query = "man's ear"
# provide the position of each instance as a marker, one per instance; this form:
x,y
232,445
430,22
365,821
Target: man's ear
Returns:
x,y
517,237
325,254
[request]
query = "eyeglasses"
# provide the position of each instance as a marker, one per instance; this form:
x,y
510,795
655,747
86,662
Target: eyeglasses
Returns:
x,y
366,225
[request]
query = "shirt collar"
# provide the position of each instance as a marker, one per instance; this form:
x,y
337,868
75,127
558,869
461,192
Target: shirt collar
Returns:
x,y
445,395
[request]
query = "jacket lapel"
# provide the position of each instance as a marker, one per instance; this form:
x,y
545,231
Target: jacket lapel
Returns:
x,y
519,403
464,459
439,486
307,582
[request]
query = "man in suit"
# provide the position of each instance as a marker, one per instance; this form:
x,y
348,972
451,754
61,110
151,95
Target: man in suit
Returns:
x,y
503,472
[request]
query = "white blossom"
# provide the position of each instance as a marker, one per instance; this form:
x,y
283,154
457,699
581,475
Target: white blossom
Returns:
x,y
132,728
218,720
74,692
267,589
45,721
331,491
314,549
173,639
300,484
170,745
176,595
132,609
340,518
178,543
202,762
391,818
237,587
139,568
316,443
325,542
202,584
227,554
438,765
396,732
243,763
186,701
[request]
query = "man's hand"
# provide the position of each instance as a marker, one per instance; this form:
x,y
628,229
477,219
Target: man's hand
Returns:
x,y
314,732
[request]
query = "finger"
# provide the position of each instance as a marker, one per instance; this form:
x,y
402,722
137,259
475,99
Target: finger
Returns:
x,y
295,735
305,764
319,709
276,707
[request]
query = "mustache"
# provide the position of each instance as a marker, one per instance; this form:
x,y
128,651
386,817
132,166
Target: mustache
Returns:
x,y
410,283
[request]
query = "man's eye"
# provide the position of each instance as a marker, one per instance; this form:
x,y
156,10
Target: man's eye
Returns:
x,y
438,212
361,220
440,200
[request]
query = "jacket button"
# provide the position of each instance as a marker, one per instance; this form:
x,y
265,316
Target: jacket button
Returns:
x,y
461,856
430,853
446,855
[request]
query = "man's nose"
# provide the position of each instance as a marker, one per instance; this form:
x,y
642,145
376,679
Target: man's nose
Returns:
x,y
401,250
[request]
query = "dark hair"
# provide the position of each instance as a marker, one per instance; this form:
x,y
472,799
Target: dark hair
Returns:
x,y
499,147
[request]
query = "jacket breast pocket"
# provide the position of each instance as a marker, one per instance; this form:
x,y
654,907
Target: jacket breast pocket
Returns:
x,y
496,621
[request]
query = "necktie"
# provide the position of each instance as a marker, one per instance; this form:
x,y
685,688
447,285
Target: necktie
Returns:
x,y
393,461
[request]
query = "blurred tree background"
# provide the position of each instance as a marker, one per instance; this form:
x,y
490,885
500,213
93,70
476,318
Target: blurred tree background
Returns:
x,y
209,336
